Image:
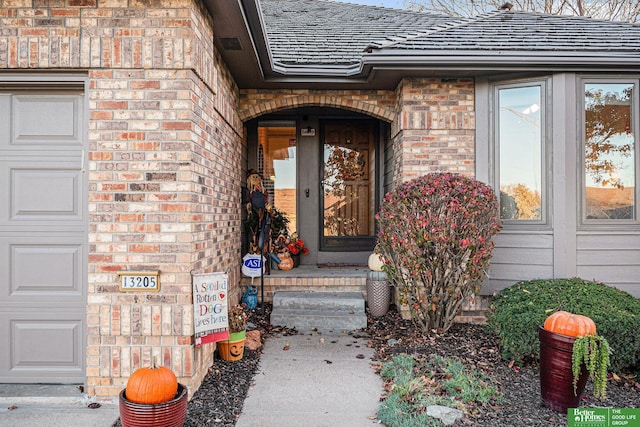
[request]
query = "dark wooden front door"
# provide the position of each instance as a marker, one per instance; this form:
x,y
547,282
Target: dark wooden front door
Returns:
x,y
348,198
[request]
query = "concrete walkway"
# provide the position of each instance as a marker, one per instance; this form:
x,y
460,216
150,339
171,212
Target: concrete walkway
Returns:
x,y
319,381
35,405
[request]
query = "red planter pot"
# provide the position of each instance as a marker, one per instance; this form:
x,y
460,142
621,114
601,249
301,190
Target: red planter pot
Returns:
x,y
556,376
166,414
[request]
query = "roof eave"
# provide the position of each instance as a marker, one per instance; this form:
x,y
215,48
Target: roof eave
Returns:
x,y
462,60
503,57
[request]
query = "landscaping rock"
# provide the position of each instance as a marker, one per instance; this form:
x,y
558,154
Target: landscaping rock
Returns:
x,y
447,415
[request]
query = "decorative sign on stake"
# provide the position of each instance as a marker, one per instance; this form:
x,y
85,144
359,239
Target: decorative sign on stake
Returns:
x,y
210,307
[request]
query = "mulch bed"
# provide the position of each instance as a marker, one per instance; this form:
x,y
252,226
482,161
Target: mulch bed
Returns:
x,y
219,400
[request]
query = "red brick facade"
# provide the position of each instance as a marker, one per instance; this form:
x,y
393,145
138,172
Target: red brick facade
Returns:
x,y
166,154
165,150
435,128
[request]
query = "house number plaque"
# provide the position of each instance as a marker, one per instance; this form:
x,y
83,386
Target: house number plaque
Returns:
x,y
143,281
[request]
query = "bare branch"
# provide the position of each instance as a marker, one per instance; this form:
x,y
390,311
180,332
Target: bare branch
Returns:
x,y
611,10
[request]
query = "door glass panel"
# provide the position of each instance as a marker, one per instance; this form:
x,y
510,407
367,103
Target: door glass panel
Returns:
x,y
609,151
348,190
277,164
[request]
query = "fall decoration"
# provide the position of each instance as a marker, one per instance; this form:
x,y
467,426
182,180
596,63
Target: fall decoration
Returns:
x,y
569,324
375,262
286,263
166,414
152,385
237,318
296,246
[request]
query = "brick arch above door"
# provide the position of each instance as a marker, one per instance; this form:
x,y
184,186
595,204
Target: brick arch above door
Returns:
x,y
378,104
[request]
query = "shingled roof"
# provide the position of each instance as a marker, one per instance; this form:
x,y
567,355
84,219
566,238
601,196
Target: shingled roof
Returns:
x,y
324,33
526,32
332,33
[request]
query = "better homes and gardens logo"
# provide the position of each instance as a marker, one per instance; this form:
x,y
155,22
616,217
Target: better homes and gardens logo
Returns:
x,y
603,417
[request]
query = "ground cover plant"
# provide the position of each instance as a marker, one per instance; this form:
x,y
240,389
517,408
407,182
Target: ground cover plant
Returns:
x,y
415,382
435,235
517,311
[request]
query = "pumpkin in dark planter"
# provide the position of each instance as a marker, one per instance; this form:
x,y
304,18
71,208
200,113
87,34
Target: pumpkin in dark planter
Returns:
x,y
563,375
153,397
152,385
569,324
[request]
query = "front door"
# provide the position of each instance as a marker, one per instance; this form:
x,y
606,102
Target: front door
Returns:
x,y
320,171
43,249
348,200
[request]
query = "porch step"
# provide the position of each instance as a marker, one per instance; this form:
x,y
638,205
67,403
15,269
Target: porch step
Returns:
x,y
324,311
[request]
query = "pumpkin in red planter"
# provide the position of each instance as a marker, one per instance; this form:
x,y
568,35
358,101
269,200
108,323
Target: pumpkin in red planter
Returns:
x,y
569,324
152,385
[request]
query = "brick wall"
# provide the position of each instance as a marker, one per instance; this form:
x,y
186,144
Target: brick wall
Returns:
x,y
165,151
434,128
433,120
376,103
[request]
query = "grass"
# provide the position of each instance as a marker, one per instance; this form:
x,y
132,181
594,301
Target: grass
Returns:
x,y
415,382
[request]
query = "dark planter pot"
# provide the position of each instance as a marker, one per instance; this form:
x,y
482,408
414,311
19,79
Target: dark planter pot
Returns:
x,y
166,414
378,293
556,376
296,260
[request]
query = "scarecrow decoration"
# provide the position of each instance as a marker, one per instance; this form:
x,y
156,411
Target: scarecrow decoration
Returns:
x,y
256,199
258,203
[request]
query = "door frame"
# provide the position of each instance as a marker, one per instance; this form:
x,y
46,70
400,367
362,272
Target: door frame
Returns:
x,y
347,243
308,178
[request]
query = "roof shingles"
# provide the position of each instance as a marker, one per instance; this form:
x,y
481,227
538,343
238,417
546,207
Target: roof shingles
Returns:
x,y
328,33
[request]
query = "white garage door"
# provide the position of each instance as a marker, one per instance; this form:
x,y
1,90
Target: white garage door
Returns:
x,y
43,233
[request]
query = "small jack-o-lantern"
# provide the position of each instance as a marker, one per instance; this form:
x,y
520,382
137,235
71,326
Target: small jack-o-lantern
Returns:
x,y
286,263
231,350
236,349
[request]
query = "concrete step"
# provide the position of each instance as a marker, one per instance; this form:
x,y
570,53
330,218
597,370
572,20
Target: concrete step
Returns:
x,y
318,301
326,312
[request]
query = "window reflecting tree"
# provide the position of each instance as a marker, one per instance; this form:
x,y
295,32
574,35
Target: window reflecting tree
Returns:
x,y
609,151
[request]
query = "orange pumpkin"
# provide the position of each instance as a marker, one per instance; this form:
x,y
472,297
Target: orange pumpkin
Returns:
x,y
152,385
285,263
569,324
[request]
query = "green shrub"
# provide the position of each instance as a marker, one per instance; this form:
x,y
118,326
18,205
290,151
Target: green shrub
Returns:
x,y
517,311
435,235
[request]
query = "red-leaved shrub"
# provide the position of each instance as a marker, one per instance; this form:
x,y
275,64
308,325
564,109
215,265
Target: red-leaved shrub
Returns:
x,y
435,234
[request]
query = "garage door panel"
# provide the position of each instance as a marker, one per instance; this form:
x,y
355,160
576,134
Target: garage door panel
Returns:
x,y
46,269
44,347
42,270
49,120
45,193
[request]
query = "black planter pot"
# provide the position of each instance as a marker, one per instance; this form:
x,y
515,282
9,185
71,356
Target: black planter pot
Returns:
x,y
556,376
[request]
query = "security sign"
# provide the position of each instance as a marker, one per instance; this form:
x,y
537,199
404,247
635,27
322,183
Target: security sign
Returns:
x,y
251,265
